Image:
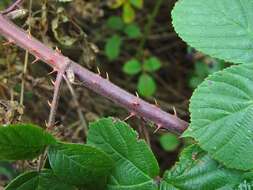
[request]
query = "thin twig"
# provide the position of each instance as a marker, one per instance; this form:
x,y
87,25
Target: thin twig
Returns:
x,y
91,80
26,59
41,161
79,111
53,110
54,104
148,27
144,131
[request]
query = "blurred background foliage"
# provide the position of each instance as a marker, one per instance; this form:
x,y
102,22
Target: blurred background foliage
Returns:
x,y
131,41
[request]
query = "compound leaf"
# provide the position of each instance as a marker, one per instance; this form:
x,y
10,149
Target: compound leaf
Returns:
x,y
80,165
43,180
222,29
222,116
197,170
136,166
23,142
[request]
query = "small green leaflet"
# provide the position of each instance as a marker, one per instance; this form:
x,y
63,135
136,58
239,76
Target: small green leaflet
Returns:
x,y
222,116
169,141
23,142
44,180
197,170
115,23
152,64
137,3
222,28
132,30
146,85
128,13
112,47
132,67
136,166
80,165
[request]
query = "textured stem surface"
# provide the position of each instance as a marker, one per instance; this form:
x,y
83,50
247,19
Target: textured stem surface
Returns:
x,y
91,80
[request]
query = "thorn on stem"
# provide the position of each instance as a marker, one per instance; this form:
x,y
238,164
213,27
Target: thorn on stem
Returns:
x,y
35,60
46,124
29,34
53,83
53,71
49,103
98,71
107,76
130,116
137,95
159,126
156,103
57,50
175,111
9,42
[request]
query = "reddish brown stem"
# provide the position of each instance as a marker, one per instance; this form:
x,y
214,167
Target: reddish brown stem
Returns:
x,y
90,80
54,104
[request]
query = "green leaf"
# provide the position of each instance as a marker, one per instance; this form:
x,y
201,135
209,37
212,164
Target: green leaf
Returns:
x,y
152,64
136,166
137,3
115,23
80,165
146,85
128,13
132,67
197,170
43,180
201,69
169,141
195,81
117,3
23,142
132,30
222,29
112,47
222,116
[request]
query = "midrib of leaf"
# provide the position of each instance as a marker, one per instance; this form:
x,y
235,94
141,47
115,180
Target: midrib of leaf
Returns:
x,y
247,29
232,21
33,183
224,117
22,145
126,160
70,159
